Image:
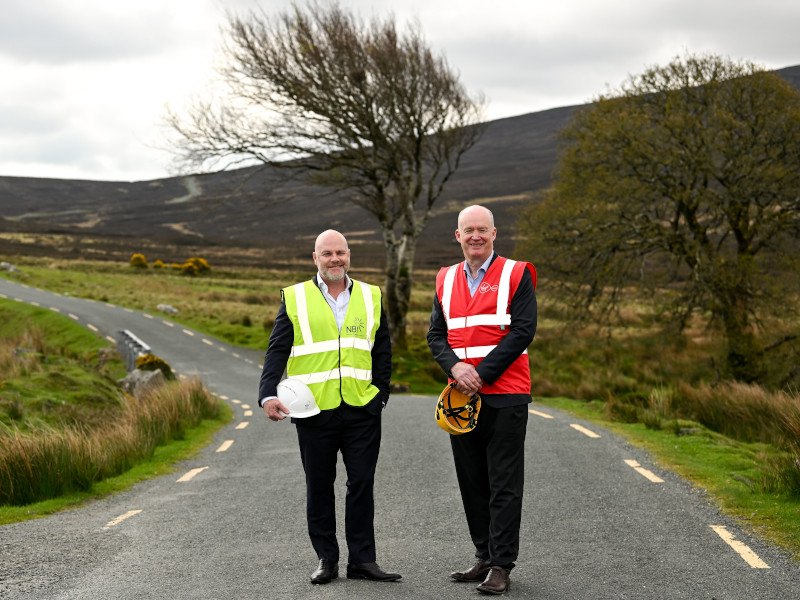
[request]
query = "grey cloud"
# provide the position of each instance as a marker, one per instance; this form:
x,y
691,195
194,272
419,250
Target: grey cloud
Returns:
x,y
52,32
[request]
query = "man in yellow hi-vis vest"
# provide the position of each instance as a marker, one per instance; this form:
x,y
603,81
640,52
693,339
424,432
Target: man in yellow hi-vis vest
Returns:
x,y
331,333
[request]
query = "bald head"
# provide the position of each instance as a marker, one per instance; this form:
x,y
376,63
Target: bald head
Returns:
x,y
476,211
329,237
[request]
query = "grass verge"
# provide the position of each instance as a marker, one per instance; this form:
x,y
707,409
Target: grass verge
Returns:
x,y
162,462
731,472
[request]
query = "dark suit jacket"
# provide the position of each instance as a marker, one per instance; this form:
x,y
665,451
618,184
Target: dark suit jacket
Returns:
x,y
280,346
520,336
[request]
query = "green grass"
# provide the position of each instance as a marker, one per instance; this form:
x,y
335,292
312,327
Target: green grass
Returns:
x,y
728,470
52,370
236,305
66,432
162,462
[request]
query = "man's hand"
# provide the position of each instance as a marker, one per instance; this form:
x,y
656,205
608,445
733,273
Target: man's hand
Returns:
x,y
467,379
275,410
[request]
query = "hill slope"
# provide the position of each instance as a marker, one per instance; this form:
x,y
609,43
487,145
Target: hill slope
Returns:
x,y
277,220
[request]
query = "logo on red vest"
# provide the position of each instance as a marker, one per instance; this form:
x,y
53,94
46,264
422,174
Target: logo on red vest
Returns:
x,y
486,287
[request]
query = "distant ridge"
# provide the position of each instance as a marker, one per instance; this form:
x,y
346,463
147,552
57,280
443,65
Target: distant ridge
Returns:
x,y
233,211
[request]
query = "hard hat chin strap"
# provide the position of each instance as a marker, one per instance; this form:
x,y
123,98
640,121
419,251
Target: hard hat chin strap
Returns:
x,y
466,422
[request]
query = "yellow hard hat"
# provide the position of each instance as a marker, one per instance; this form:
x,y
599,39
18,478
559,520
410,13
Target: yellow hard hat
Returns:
x,y
457,413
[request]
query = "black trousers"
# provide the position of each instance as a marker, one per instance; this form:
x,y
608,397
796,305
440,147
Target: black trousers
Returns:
x,y
491,473
356,433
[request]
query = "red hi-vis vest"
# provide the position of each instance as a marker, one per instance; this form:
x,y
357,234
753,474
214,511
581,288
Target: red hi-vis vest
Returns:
x,y
476,324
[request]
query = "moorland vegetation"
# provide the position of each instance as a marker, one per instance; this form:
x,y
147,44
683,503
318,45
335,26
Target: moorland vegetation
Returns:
x,y
65,424
663,393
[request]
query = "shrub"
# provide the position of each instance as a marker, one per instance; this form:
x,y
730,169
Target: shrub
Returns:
x,y
138,261
151,362
624,412
158,264
201,264
189,269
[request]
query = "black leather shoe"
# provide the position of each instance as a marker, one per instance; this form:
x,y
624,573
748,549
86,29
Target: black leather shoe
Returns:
x,y
370,571
326,571
477,572
496,582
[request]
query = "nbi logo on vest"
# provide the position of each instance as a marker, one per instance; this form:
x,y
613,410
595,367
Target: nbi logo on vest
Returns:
x,y
357,327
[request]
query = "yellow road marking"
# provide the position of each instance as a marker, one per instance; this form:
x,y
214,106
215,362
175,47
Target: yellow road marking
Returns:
x,y
3,296
242,425
540,414
34,303
54,309
92,327
236,355
225,445
583,430
248,413
209,342
110,339
191,474
168,324
73,317
750,557
245,406
642,471
221,349
121,518
187,332
146,316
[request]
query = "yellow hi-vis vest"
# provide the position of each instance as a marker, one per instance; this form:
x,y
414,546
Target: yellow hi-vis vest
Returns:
x,y
335,365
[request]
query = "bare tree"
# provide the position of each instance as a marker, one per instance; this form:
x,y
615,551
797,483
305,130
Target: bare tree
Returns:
x,y
355,106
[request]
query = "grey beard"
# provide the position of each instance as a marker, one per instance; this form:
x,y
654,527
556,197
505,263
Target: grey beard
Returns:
x,y
331,277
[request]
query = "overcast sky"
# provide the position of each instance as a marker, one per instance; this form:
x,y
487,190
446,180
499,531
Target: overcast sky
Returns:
x,y
85,83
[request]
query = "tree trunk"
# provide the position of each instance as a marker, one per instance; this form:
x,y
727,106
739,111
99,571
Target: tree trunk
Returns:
x,y
743,356
399,267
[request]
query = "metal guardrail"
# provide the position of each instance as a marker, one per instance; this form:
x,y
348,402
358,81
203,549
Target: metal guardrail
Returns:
x,y
131,348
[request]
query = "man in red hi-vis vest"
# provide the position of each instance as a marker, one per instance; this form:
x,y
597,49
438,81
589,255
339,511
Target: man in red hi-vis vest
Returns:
x,y
483,320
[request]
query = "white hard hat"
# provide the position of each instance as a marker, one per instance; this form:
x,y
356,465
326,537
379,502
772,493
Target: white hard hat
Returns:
x,y
295,395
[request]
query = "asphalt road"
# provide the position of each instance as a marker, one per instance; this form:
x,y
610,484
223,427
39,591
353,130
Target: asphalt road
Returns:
x,y
595,524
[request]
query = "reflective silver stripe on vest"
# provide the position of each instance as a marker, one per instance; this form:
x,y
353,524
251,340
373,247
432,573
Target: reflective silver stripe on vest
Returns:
x,y
323,376
302,314
447,291
476,351
331,346
367,294
475,320
498,318
505,287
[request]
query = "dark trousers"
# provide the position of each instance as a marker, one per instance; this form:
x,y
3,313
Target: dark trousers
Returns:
x,y
356,433
490,468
